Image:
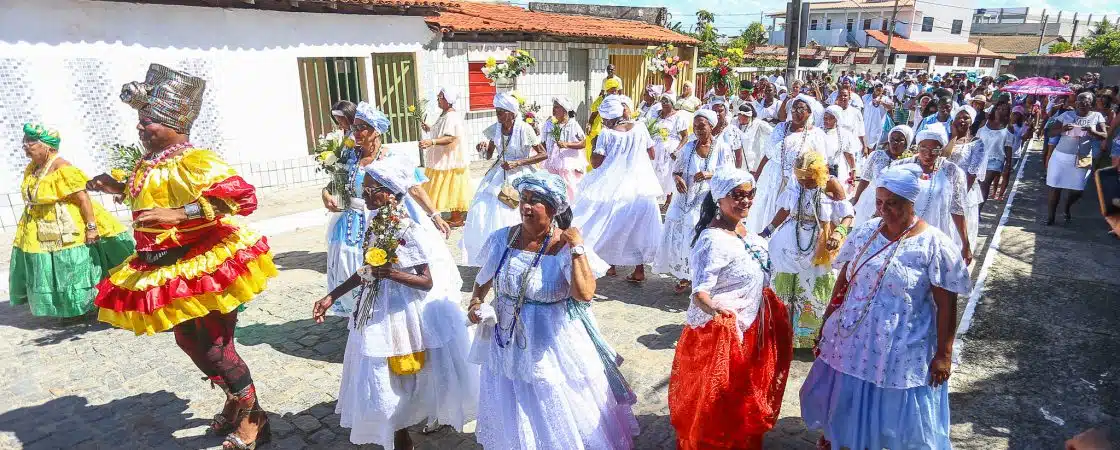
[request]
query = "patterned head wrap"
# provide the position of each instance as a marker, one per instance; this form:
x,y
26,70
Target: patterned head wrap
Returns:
x,y
655,91
810,165
42,134
727,178
905,130
708,115
168,97
371,115
611,83
902,180
934,132
611,107
544,185
391,175
564,103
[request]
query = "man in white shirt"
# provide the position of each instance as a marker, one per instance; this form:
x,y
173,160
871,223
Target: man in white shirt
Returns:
x,y
906,90
746,88
876,92
853,117
853,100
875,116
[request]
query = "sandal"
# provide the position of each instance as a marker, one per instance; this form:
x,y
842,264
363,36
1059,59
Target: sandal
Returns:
x,y
250,410
682,287
221,423
631,279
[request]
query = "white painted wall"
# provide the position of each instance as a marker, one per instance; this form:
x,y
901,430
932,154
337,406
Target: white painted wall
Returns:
x,y
62,62
944,12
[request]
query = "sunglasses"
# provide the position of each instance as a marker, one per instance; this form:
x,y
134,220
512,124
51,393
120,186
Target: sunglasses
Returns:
x,y
740,195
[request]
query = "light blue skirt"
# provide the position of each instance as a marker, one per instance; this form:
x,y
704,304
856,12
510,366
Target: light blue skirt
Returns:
x,y
857,414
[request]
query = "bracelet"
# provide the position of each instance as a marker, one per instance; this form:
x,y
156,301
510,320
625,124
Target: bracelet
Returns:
x,y
207,208
192,210
843,230
91,226
433,215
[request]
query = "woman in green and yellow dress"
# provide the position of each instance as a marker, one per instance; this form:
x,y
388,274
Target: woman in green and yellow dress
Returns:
x,y
65,241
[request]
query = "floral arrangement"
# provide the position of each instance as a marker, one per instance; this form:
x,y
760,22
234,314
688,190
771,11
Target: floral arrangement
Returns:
x,y
515,65
381,243
721,72
329,151
528,110
123,160
662,60
656,130
556,129
419,111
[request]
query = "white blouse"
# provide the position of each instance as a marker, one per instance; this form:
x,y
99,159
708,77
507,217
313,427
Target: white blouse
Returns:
x,y
885,332
728,268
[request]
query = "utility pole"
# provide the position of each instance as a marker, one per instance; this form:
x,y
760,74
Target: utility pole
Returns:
x,y
890,36
1042,31
1074,33
793,42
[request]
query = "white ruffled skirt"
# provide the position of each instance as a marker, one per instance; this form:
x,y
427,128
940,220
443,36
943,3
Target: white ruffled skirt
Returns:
x,y
677,233
766,198
623,232
550,390
486,215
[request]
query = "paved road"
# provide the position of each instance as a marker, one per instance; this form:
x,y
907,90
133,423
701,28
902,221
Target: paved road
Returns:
x,y
1042,340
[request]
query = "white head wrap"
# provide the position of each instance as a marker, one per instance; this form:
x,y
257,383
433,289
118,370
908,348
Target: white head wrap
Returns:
x,y
905,130
611,107
934,131
626,100
902,180
655,91
667,95
727,178
564,103
708,115
837,112
450,94
815,107
507,102
391,175
968,109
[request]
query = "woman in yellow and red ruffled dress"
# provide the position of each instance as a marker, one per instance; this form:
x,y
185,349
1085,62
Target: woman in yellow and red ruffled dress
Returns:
x,y
65,241
194,265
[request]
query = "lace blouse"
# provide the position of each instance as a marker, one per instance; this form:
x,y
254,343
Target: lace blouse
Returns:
x,y
728,269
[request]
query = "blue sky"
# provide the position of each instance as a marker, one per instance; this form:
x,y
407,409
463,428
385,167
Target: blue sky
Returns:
x,y
734,15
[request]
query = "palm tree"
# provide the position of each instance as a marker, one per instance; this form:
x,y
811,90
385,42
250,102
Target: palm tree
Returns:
x,y
704,17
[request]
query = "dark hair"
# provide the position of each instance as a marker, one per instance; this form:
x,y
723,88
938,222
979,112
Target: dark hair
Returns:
x,y
708,211
564,219
348,108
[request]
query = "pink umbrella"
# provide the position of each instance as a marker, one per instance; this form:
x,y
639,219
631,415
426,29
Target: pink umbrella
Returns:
x,y
1038,86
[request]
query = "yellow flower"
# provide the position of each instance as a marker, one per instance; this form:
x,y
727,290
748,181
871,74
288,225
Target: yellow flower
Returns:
x,y
411,108
376,257
348,142
491,62
523,53
118,174
529,120
324,155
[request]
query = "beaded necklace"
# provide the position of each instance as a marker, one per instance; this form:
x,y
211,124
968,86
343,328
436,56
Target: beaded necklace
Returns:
x,y
813,227
693,200
932,177
353,221
785,133
897,244
515,324
136,184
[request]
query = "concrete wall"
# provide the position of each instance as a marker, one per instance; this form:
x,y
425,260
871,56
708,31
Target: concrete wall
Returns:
x,y
944,12
653,16
1027,66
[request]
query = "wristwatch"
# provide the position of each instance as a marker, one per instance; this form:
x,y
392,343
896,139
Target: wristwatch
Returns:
x,y
92,226
192,210
578,251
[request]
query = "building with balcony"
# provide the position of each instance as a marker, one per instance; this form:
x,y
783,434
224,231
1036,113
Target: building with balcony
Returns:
x,y
1033,21
931,36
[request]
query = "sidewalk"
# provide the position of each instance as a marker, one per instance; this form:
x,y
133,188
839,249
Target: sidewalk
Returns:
x,y
1039,360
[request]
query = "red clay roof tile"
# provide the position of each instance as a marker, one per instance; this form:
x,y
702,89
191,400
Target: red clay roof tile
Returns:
x,y
908,47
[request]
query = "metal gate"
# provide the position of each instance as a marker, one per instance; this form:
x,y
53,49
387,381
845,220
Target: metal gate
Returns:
x,y
394,90
324,81
579,73
632,70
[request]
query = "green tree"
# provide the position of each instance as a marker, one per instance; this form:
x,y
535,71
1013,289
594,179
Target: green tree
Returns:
x,y
1105,47
1103,27
677,26
1060,47
755,34
704,17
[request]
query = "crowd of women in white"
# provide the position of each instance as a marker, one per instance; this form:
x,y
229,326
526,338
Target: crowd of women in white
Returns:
x,y
539,374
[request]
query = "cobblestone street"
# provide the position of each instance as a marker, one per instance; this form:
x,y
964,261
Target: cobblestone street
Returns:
x,y
91,386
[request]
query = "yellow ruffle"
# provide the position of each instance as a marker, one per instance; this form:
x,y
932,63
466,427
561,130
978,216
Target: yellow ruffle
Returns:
x,y
180,310
408,364
57,186
181,179
207,262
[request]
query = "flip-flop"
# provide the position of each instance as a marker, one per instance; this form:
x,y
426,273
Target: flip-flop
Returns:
x,y
681,288
631,279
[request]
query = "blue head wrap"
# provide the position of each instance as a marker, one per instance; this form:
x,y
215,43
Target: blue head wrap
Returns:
x,y
547,187
371,115
391,175
902,180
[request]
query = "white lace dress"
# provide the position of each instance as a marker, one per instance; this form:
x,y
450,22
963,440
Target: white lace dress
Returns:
x,y
727,270
545,386
781,152
487,214
837,143
973,159
684,210
665,147
943,193
373,401
873,166
617,209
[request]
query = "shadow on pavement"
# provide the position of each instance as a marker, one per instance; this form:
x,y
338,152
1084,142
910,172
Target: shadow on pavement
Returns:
x,y
141,421
319,427
1039,362
300,338
57,330
666,337
301,260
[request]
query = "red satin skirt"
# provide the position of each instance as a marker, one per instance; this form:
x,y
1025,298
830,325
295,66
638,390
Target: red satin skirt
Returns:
x,y
726,394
